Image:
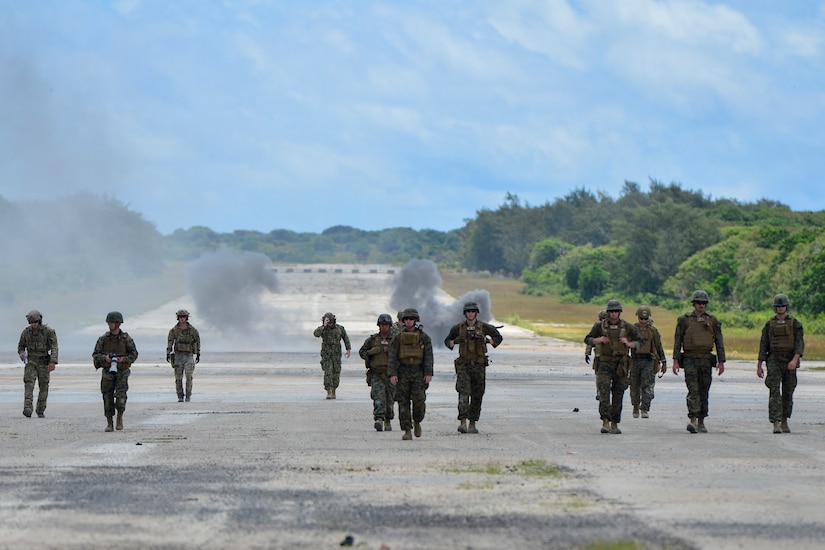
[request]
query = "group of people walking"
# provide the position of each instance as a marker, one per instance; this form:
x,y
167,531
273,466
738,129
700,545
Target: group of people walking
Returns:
x,y
114,353
399,362
631,354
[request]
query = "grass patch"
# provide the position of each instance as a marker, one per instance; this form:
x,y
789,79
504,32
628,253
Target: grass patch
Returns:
x,y
549,316
620,545
488,468
467,486
537,468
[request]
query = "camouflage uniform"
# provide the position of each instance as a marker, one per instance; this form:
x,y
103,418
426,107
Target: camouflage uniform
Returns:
x,y
411,359
331,337
39,346
614,368
471,364
376,355
693,343
114,385
183,351
782,341
648,359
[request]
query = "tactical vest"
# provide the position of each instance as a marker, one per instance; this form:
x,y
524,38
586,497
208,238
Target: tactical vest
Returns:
x,y
782,335
614,332
647,334
699,335
37,341
184,340
380,361
116,344
411,350
472,344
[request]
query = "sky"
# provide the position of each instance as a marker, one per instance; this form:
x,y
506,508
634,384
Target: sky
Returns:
x,y
303,115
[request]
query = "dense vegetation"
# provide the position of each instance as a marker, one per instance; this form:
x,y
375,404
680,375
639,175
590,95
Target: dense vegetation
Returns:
x,y
652,247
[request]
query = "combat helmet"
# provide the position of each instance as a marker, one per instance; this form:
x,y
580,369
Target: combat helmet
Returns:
x,y
114,317
781,300
329,316
603,315
34,316
410,313
700,296
614,305
643,312
182,313
470,306
384,319
400,314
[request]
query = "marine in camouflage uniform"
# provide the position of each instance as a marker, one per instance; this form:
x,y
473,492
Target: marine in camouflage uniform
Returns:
x,y
697,333
183,352
331,335
782,346
648,359
376,355
37,348
410,371
591,349
472,337
616,337
114,385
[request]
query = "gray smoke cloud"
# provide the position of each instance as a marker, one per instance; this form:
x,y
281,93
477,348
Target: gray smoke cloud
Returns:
x,y
418,285
227,287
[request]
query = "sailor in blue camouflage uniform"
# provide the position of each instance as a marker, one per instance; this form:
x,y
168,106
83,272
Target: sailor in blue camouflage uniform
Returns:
x,y
782,346
331,335
37,348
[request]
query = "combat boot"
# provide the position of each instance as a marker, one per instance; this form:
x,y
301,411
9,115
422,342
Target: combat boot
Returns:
x,y
462,426
379,425
614,428
27,413
777,427
691,427
605,426
407,435
109,426
180,399
700,425
332,393
645,414
188,398
329,394
472,427
387,425
635,411
119,424
417,429
784,426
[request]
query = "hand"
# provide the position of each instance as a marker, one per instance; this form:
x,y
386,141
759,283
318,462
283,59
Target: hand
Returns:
x,y
587,359
759,372
198,358
676,367
23,357
394,380
451,345
347,354
720,367
427,379
52,366
168,357
664,367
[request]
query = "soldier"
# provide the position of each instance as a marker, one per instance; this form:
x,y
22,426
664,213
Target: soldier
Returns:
x,y
398,326
696,335
410,371
114,352
38,350
782,346
376,355
183,351
331,335
472,337
647,360
615,336
595,351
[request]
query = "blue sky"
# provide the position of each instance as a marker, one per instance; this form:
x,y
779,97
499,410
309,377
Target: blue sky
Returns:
x,y
302,115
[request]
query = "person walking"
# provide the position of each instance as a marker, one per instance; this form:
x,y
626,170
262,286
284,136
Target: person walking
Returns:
x,y
38,350
376,355
183,352
331,335
648,359
411,371
114,354
615,338
697,334
472,336
781,346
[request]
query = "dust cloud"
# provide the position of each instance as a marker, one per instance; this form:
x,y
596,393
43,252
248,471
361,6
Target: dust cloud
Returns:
x,y
227,286
417,285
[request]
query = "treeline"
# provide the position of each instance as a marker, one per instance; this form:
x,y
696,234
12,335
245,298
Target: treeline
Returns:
x,y
338,244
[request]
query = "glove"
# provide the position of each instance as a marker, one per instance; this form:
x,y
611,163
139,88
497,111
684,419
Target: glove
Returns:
x,y
664,367
168,357
587,359
198,358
